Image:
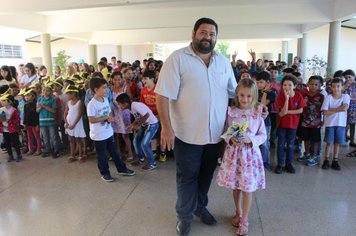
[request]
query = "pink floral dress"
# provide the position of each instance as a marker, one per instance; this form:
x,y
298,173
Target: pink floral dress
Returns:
x,y
242,165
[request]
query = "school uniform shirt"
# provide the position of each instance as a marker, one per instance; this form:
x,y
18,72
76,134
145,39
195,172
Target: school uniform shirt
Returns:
x,y
46,117
139,109
148,97
311,117
337,118
101,130
290,121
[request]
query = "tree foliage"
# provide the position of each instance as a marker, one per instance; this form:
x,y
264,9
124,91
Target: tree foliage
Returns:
x,y
62,60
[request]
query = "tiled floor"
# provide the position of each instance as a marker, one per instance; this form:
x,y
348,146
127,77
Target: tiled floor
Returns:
x,y
44,196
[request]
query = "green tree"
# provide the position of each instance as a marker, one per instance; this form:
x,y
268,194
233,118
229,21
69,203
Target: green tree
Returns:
x,y
222,48
62,60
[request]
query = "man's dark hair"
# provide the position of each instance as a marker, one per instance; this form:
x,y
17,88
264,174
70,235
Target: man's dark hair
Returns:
x,y
123,99
263,75
274,68
289,77
150,74
205,20
97,83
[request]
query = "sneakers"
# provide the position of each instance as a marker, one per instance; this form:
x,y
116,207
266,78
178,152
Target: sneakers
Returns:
x,y
325,165
45,154
55,155
278,170
162,157
149,166
290,168
312,161
10,159
142,160
19,158
335,165
30,153
304,158
107,178
127,172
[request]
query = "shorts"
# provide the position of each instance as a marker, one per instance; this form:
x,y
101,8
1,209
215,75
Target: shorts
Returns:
x,y
310,134
335,134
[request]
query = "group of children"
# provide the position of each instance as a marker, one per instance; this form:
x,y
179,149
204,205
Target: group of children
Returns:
x,y
48,115
302,112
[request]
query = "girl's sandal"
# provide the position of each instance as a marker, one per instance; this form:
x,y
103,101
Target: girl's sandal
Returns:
x,y
243,228
236,220
71,159
351,154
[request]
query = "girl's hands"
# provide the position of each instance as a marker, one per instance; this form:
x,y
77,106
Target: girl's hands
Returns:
x,y
240,140
286,94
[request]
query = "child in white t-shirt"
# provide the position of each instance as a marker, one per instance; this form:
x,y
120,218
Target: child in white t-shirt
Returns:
x,y
145,126
101,132
334,109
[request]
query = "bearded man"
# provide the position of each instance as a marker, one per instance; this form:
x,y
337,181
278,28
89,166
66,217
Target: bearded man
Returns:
x,y
193,89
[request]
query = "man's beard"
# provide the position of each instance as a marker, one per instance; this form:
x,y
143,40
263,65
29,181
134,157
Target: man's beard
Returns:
x,y
203,46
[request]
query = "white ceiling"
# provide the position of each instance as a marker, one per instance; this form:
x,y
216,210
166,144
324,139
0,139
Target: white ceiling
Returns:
x,y
140,21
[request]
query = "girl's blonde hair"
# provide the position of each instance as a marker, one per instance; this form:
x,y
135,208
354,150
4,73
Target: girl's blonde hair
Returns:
x,y
251,84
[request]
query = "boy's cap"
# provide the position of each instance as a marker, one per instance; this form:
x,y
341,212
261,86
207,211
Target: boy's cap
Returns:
x,y
30,92
22,92
71,89
58,82
35,85
5,97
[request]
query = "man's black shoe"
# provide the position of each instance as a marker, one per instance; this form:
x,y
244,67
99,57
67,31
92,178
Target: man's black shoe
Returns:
x,y
206,218
278,170
183,228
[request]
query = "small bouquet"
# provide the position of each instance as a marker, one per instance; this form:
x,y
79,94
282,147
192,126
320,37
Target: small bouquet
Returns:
x,y
3,116
235,130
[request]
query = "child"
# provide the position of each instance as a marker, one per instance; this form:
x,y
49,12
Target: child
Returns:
x,y
145,126
101,131
266,97
31,123
57,92
122,117
275,86
311,121
334,109
350,89
242,167
20,107
47,108
148,97
74,124
290,105
10,127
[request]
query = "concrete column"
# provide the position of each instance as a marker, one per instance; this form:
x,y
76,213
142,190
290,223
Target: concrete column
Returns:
x,y
334,42
92,55
46,52
303,51
119,52
284,52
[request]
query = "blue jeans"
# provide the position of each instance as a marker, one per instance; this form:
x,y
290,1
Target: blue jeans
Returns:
x,y
195,165
264,148
104,147
285,136
49,135
142,142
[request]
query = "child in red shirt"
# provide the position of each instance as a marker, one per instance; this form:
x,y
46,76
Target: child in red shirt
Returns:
x,y
148,97
290,105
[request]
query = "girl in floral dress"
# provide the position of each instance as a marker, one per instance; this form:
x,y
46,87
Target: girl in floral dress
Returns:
x,y
242,167
122,117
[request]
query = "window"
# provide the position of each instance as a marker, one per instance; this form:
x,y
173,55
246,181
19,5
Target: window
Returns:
x,y
10,51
